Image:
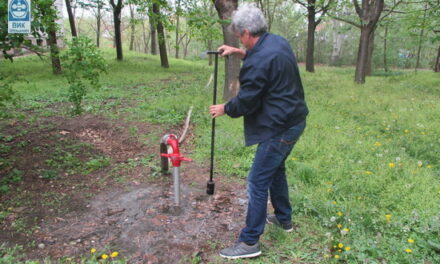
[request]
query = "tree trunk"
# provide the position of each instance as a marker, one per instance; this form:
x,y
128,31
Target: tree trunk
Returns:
x,y
153,34
361,64
369,14
161,37
310,64
422,32
177,27
338,40
232,63
54,51
133,27
117,8
385,38
145,37
98,26
369,67
71,19
188,40
437,61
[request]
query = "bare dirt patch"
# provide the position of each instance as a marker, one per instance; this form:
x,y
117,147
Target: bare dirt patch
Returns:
x,y
126,205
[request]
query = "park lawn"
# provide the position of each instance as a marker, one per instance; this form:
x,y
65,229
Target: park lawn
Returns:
x,y
364,178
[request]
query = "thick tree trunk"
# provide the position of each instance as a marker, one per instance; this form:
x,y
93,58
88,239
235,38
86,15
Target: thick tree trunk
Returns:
x,y
54,51
132,27
153,35
310,64
71,19
437,61
362,58
369,67
117,8
232,63
161,37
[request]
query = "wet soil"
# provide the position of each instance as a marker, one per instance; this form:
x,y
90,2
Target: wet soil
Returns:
x,y
126,206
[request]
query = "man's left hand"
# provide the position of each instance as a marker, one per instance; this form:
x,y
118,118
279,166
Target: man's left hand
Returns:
x,y
217,110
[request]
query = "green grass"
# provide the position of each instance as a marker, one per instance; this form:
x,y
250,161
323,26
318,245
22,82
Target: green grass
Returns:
x,y
368,151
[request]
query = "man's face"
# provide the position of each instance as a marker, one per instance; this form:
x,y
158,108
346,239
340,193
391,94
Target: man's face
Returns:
x,y
245,39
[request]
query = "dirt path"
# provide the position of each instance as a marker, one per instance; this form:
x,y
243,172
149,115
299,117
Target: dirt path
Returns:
x,y
136,218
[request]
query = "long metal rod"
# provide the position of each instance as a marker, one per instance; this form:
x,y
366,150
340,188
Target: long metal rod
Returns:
x,y
214,101
176,177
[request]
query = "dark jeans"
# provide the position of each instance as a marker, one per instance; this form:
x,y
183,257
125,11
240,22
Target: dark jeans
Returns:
x,y
268,173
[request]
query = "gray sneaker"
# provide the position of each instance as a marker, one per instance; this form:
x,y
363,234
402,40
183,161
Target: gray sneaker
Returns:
x,y
272,220
241,250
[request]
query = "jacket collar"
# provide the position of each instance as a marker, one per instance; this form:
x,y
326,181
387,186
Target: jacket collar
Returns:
x,y
257,46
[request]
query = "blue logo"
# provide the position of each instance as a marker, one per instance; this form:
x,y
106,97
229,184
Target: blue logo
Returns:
x,y
19,10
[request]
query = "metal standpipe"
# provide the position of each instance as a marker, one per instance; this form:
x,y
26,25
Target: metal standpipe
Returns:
x,y
176,180
175,158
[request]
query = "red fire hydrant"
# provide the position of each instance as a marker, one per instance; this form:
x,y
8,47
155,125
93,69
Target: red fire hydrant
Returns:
x,y
176,158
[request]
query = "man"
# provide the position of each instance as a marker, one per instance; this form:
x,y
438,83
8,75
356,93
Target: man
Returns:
x,y
271,100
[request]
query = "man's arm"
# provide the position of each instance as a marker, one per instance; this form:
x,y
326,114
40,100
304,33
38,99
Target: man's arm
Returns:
x,y
226,50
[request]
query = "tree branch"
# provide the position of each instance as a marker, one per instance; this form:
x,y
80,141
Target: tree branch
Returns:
x,y
358,9
346,21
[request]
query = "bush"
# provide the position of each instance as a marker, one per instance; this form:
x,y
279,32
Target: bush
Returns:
x,y
83,64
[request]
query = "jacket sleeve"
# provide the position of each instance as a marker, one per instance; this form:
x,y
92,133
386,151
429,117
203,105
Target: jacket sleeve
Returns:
x,y
252,86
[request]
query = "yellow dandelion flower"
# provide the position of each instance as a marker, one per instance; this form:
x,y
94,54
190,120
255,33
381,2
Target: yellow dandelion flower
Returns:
x,y
346,229
339,250
294,158
391,165
388,217
408,250
347,248
419,163
340,245
114,254
406,131
93,250
377,144
429,166
339,226
334,202
337,256
410,240
339,213
104,256
368,172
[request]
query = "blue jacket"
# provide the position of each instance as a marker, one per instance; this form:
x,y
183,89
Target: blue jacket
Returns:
x,y
271,96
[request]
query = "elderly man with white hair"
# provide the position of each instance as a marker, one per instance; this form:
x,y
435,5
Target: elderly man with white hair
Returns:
x,y
271,100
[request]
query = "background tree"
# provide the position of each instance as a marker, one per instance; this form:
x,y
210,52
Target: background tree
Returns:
x,y
232,63
161,33
71,18
314,8
117,9
46,11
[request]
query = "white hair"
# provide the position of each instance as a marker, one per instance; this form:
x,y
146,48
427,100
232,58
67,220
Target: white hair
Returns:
x,y
248,16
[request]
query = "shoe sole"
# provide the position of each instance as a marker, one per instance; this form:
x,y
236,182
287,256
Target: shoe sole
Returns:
x,y
272,223
256,254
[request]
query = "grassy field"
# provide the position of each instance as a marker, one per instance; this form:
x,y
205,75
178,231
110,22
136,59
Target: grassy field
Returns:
x,y
364,178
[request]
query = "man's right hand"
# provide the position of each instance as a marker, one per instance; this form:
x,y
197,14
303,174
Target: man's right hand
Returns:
x,y
226,50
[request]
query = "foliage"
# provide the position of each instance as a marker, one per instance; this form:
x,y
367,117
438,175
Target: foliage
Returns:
x,y
83,65
7,94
